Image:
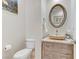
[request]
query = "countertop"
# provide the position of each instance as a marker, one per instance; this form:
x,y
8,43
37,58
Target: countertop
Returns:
x,y
67,41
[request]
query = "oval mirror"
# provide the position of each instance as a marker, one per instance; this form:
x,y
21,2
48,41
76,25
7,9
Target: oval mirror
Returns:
x,y
57,15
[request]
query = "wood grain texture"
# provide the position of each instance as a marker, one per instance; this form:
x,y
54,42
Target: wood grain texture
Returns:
x,y
55,50
33,54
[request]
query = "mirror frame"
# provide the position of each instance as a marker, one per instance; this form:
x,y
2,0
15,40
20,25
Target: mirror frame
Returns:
x,y
64,19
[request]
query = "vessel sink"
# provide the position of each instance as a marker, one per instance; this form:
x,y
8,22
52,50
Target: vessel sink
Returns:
x,y
56,37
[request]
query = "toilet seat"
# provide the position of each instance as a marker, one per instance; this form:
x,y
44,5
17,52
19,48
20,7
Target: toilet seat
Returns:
x,y
22,54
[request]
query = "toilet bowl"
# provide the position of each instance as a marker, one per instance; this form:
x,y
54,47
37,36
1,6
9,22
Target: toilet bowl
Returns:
x,y
25,53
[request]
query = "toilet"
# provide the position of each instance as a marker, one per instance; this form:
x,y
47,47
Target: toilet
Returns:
x,y
25,53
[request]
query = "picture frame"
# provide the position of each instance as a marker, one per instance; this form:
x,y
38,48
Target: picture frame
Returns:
x,y
10,5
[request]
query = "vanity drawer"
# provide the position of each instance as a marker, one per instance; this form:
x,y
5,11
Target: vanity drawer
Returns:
x,y
56,56
54,50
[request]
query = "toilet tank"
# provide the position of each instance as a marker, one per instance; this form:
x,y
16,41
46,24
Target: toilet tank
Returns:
x,y
30,43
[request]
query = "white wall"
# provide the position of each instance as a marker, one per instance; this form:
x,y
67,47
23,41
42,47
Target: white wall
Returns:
x,y
13,30
33,23
67,5
73,18
43,16
70,21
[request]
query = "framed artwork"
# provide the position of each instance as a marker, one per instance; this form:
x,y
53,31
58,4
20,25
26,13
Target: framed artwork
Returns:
x,y
10,5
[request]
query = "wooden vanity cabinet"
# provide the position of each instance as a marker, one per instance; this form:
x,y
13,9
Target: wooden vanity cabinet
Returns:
x,y
57,50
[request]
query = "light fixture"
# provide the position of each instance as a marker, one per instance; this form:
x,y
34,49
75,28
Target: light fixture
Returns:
x,y
56,0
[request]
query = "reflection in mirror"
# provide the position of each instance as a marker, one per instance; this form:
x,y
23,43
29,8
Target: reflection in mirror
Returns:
x,y
57,16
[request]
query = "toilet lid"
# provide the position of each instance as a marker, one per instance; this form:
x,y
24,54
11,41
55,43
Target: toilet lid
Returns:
x,y
23,53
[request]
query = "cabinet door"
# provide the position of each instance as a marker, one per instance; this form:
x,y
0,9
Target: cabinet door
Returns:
x,y
53,50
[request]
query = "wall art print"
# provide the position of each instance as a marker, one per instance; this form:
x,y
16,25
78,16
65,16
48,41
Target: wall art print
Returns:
x,y
10,5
